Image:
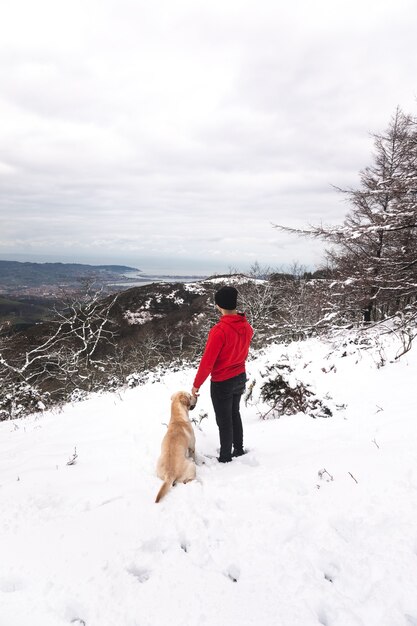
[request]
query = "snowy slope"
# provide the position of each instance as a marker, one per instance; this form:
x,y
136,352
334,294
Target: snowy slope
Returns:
x,y
262,540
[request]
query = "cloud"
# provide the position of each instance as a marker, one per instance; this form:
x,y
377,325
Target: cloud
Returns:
x,y
184,129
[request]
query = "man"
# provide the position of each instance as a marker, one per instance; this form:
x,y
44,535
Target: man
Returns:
x,y
224,358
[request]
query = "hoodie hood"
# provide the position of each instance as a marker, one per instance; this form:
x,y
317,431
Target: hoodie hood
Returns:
x,y
237,322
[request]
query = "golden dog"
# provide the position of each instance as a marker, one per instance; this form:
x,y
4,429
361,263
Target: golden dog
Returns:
x,y
177,460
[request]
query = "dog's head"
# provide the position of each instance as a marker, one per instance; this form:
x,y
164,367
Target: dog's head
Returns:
x,y
185,398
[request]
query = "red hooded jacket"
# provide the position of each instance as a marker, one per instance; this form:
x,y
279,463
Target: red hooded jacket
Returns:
x,y
226,349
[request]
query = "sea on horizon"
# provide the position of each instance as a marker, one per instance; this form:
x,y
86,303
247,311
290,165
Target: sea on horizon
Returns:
x,y
147,277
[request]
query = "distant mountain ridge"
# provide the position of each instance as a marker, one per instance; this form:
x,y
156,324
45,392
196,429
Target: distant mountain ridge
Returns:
x,y
16,273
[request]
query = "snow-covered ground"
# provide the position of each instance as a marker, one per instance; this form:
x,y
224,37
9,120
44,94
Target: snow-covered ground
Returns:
x,y
262,540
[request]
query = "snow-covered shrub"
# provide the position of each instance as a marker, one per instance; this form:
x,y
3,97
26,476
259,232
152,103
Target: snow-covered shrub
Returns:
x,y
19,399
287,396
404,326
137,378
78,395
113,382
379,343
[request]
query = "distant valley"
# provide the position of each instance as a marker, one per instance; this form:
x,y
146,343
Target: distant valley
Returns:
x,y
16,276
29,291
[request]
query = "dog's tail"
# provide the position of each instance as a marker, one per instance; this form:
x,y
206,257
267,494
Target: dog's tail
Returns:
x,y
164,489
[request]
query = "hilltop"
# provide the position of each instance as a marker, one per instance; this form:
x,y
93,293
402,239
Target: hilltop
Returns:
x,y
315,525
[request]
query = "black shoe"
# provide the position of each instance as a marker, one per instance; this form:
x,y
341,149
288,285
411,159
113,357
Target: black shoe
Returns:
x,y
240,452
223,460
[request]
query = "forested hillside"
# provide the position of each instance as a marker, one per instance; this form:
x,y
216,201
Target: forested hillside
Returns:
x,y
14,274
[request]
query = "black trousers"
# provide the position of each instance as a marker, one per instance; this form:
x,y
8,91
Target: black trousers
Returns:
x,y
225,396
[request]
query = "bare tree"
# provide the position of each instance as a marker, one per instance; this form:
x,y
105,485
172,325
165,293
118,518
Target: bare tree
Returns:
x,y
87,326
58,356
373,254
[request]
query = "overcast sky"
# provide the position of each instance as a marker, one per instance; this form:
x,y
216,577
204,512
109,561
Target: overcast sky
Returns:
x,y
174,133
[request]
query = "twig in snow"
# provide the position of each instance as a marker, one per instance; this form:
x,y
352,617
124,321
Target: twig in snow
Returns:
x,y
197,420
353,477
374,441
74,458
379,409
322,474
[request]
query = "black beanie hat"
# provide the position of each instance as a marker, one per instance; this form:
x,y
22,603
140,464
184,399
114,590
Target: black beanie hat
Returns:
x,y
226,298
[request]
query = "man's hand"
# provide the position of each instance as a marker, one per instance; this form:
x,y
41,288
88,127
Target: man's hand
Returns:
x,y
195,392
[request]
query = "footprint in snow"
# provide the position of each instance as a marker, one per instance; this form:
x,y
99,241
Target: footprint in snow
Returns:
x,y
247,459
207,460
157,544
322,617
141,574
233,572
10,585
331,571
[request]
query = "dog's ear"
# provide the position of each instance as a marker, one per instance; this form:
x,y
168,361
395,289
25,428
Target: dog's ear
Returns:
x,y
185,398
